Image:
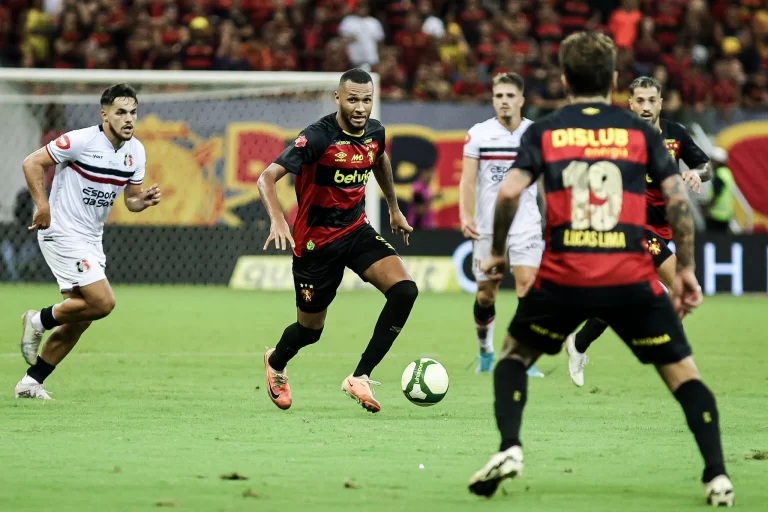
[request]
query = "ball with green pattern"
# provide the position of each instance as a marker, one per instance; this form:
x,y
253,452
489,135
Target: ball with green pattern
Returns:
x,y
424,382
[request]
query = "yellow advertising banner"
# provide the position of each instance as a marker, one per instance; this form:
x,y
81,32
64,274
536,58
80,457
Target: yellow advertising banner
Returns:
x,y
431,274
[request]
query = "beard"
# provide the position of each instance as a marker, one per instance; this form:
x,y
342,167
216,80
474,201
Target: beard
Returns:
x,y
118,134
347,115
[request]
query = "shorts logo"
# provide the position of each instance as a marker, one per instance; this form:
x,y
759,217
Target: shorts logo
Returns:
x,y
310,245
83,266
382,240
341,156
63,142
300,141
128,161
307,292
654,247
651,342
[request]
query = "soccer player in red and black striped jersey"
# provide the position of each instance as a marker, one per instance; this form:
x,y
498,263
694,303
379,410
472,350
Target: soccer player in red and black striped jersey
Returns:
x,y
593,159
331,161
645,101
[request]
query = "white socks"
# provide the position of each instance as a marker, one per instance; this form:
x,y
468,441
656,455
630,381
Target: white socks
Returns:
x,y
485,335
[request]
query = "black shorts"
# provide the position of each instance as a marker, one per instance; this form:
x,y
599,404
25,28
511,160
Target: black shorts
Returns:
x,y
658,247
646,322
317,274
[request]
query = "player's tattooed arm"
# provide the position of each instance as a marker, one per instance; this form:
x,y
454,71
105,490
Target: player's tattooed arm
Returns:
x,y
680,216
382,170
515,182
34,172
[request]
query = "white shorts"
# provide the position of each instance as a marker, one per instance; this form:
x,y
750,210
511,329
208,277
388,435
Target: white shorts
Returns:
x,y
522,250
73,263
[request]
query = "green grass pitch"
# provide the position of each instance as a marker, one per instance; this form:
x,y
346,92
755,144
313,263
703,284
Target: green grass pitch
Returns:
x,y
167,395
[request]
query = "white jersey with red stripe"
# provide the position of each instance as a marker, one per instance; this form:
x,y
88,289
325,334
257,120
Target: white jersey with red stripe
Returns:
x,y
496,149
90,174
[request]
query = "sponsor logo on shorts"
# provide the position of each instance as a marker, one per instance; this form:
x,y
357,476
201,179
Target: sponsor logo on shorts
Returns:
x,y
83,266
98,198
652,341
543,331
381,239
307,292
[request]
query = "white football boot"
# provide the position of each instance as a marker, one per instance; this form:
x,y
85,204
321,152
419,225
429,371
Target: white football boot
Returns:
x,y
30,337
576,361
506,464
33,389
719,492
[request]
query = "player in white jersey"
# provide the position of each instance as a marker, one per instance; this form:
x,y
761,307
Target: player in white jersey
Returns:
x,y
489,151
93,166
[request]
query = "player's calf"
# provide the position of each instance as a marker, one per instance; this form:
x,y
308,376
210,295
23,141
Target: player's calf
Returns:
x,y
400,299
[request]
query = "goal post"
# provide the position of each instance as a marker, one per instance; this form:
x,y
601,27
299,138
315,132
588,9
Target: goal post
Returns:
x,y
208,135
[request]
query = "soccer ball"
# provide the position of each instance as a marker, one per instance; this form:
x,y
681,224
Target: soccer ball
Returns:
x,y
424,382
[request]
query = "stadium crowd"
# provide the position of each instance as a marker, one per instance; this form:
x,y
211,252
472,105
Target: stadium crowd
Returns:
x,y
709,55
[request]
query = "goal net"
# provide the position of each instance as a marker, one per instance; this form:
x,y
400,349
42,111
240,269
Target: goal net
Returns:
x,y
208,135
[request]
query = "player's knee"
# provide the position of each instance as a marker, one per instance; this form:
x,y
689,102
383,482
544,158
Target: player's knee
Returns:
x,y
486,295
404,292
103,306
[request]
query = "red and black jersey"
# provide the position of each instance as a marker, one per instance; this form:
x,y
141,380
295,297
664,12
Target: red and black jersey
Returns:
x,y
681,146
594,159
332,168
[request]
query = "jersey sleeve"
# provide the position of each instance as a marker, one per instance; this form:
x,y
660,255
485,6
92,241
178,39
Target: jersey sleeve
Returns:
x,y
306,149
690,153
472,143
661,165
68,147
529,155
141,165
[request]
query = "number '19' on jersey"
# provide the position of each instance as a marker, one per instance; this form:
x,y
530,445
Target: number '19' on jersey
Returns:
x,y
594,159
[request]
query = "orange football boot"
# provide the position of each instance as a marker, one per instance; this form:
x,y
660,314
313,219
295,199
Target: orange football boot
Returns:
x,y
277,384
360,390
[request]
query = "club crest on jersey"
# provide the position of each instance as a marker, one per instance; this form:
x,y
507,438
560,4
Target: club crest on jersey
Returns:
x,y
371,158
63,142
128,161
300,141
654,247
307,292
83,266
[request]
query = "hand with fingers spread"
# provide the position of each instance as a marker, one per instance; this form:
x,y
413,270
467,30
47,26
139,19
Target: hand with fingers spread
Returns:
x,y
469,229
280,232
41,219
693,180
494,267
399,224
150,196
686,292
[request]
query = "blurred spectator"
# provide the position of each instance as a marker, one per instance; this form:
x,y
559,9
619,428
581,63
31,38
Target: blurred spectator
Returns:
x,y
433,25
623,23
363,33
413,43
712,55
420,214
